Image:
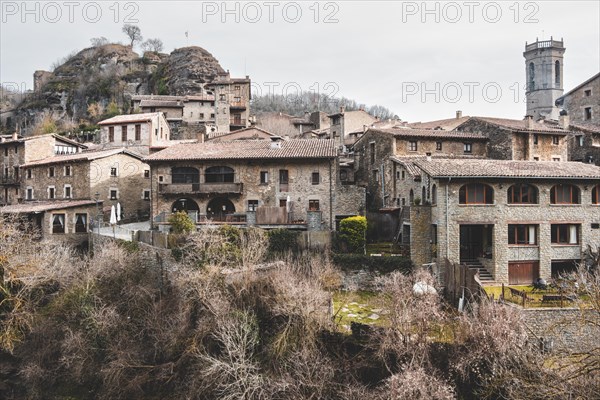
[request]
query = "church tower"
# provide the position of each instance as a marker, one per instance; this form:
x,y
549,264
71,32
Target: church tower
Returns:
x,y
544,72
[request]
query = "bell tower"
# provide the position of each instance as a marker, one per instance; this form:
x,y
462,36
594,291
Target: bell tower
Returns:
x,y
544,74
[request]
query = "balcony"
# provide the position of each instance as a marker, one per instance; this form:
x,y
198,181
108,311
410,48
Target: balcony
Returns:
x,y
201,188
10,180
238,105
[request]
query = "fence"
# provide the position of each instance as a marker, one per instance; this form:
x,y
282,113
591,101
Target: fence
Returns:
x,y
459,277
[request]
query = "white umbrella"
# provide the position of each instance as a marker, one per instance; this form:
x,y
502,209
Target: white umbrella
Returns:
x,y
118,212
288,203
113,215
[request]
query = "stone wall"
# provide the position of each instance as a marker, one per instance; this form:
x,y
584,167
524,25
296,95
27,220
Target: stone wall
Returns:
x,y
449,146
420,235
576,102
40,181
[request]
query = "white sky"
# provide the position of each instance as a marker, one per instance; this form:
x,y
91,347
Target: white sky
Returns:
x,y
379,52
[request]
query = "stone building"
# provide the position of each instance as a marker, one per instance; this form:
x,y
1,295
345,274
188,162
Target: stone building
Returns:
x,y
582,103
232,102
377,151
514,220
15,151
113,176
513,139
345,122
270,183
544,73
138,132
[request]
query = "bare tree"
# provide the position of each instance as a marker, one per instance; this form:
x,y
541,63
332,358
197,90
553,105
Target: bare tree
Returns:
x,y
155,45
99,41
133,32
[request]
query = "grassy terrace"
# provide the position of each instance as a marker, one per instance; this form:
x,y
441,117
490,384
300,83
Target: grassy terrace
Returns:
x,y
536,298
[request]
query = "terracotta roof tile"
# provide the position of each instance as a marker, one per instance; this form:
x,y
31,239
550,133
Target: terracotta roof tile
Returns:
x,y
83,156
446,124
507,169
247,150
129,118
34,207
429,133
521,125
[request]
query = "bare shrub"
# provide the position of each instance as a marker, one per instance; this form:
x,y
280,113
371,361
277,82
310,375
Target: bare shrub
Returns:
x,y
417,383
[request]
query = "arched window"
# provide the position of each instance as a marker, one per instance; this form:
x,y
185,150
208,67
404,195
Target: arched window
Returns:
x,y
423,195
219,175
185,175
596,195
411,197
476,193
564,194
557,74
531,83
434,194
522,193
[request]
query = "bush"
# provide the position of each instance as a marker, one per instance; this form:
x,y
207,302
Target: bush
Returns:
x,y
352,232
348,262
282,241
181,223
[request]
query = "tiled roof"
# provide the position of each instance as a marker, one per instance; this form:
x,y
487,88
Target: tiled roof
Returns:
x,y
409,161
129,118
198,97
247,150
521,125
221,135
35,207
56,136
429,133
161,103
446,124
83,156
507,169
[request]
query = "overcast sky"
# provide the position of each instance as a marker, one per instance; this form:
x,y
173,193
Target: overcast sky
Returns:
x,y
422,60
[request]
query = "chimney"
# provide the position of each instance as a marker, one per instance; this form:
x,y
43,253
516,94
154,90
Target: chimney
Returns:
x,y
15,136
564,121
276,142
342,109
365,127
428,156
458,114
529,121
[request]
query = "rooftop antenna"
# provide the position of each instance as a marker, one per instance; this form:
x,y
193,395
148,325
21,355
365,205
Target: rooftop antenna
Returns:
x,y
245,73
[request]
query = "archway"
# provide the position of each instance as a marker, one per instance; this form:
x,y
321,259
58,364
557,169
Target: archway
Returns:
x,y
186,205
218,208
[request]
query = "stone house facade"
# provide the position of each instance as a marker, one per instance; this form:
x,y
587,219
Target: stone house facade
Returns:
x,y
582,103
345,122
514,220
116,176
270,183
138,132
232,102
377,152
17,151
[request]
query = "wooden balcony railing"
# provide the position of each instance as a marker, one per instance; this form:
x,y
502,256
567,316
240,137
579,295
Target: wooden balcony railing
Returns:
x,y
237,121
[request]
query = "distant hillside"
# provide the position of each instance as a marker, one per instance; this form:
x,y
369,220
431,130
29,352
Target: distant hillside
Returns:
x,y
307,101
99,81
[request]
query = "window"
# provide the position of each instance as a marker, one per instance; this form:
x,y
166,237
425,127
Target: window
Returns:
x,y
522,234
161,178
184,175
434,194
29,174
412,145
67,170
111,134
219,175
51,192
51,172
252,205
6,151
564,234
58,223
555,140
237,87
557,74
536,159
124,133
138,132
438,146
476,193
403,174
313,205
221,97
113,171
212,116
315,178
596,195
283,179
343,175
531,81
201,115
80,223
237,99
264,177
16,172
16,149
67,191
468,147
282,202
372,152
564,194
587,113
114,195
161,132
29,195
536,138
580,140
522,193
146,194
555,158
588,92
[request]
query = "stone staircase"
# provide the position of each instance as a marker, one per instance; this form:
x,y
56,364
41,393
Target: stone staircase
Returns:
x,y
484,275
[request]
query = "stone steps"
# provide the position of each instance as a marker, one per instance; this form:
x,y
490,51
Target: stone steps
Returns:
x,y
484,274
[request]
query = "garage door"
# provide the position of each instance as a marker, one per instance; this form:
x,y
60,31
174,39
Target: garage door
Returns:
x,y
523,272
